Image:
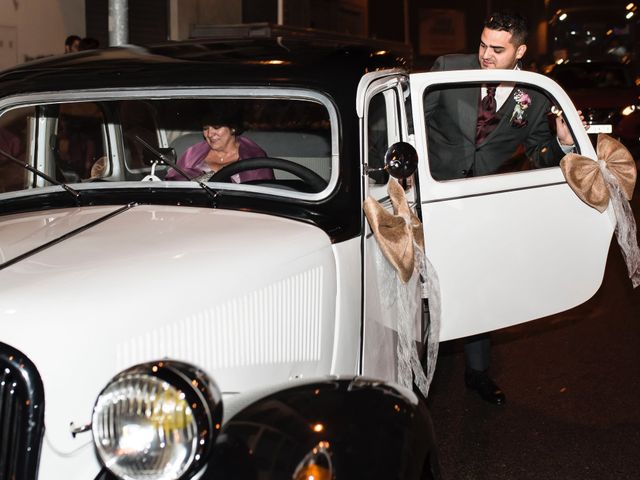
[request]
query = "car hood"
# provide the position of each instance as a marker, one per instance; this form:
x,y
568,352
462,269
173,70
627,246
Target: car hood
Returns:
x,y
247,297
23,233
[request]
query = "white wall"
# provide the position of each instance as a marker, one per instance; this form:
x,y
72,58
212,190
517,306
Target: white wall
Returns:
x,y
31,29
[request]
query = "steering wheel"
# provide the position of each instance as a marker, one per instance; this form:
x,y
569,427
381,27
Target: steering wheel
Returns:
x,y
309,177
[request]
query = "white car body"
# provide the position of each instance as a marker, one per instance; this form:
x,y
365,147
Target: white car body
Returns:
x,y
253,326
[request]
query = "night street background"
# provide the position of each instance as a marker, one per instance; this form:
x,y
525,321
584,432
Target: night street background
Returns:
x,y
572,383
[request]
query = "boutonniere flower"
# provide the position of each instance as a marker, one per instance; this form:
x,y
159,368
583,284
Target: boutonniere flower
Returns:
x,y
523,100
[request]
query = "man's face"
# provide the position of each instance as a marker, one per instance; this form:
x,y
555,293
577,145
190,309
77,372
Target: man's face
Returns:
x,y
74,47
497,51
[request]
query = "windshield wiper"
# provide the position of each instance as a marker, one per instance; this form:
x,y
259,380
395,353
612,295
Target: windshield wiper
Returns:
x,y
73,192
164,158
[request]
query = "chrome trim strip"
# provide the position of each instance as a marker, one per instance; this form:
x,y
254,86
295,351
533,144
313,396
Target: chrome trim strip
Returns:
x,y
496,192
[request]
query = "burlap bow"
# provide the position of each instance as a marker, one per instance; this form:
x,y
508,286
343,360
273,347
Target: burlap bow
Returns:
x,y
586,178
396,233
611,178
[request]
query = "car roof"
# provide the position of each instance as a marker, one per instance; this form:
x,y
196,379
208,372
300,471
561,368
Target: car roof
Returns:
x,y
330,63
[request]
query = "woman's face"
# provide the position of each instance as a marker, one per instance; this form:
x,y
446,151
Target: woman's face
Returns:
x,y
217,136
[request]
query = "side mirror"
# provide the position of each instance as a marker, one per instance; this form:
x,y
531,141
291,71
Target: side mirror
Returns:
x,y
401,160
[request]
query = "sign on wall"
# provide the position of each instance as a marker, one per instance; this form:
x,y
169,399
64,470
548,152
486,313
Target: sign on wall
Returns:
x,y
442,31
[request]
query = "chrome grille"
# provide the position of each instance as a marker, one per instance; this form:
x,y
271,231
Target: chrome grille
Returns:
x,y
21,415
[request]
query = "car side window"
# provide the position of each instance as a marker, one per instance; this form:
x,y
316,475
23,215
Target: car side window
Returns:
x,y
377,137
78,142
14,128
137,121
466,141
386,124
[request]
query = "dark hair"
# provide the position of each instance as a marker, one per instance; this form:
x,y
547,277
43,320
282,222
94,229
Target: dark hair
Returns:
x,y
514,23
89,43
222,114
70,40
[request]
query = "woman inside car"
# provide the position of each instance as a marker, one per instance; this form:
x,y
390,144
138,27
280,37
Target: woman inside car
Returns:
x,y
223,144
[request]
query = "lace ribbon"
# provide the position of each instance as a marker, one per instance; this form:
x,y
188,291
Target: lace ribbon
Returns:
x,y
405,281
401,311
625,224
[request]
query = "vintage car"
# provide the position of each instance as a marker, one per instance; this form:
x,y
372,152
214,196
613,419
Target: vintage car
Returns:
x,y
173,329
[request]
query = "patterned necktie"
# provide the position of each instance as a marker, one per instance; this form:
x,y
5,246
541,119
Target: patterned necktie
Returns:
x,y
487,118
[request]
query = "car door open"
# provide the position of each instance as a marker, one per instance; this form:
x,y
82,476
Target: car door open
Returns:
x,y
516,244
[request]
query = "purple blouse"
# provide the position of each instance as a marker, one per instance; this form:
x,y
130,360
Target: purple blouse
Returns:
x,y
192,162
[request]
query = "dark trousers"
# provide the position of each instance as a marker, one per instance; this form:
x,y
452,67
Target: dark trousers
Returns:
x,y
477,351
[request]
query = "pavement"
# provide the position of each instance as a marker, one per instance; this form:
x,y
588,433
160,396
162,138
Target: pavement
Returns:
x,y
572,383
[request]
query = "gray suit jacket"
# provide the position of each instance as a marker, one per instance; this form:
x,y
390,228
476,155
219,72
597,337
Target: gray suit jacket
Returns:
x,y
451,115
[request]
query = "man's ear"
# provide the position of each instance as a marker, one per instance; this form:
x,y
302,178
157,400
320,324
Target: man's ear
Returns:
x,y
520,51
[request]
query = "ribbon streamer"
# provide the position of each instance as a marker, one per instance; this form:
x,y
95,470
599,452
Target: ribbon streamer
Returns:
x,y
401,246
612,179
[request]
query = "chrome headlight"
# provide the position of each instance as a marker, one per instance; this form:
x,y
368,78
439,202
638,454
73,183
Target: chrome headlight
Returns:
x,y
156,421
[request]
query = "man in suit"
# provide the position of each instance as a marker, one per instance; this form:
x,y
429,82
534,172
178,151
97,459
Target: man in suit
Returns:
x,y
480,130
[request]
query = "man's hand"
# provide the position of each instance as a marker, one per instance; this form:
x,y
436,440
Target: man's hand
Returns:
x,y
562,129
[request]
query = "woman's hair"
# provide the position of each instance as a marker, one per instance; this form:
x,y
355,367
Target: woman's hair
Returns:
x,y
222,114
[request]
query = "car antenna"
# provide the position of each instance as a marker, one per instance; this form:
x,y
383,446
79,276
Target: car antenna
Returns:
x,y
72,191
213,194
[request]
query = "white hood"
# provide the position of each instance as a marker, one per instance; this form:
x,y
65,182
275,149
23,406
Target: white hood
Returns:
x,y
248,297
23,232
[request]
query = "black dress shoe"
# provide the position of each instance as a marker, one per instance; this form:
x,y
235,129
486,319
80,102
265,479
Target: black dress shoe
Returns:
x,y
484,386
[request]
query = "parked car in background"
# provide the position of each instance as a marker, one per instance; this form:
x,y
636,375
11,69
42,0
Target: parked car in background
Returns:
x,y
608,93
173,329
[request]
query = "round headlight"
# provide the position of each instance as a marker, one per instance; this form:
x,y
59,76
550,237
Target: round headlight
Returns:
x,y
156,421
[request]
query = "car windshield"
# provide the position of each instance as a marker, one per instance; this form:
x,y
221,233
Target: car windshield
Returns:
x,y
123,140
592,75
